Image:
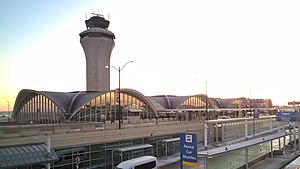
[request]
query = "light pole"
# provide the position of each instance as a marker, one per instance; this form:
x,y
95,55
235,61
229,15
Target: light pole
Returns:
x,y
206,105
253,120
206,100
119,90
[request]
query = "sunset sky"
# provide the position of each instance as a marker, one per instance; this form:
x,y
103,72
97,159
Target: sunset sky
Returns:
x,y
241,48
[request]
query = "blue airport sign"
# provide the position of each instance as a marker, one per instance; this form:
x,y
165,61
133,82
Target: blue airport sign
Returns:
x,y
99,126
188,149
288,116
255,114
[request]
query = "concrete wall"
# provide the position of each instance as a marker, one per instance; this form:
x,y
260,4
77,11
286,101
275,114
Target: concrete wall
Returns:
x,y
78,134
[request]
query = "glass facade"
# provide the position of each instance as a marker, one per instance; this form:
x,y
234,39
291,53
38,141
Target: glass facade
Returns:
x,y
107,155
102,108
135,108
226,130
105,108
237,158
167,147
120,155
195,102
255,103
40,109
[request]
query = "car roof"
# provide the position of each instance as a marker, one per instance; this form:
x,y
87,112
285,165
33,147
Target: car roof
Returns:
x,y
128,163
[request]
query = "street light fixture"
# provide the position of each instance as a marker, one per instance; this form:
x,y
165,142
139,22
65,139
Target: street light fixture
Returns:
x,y
206,104
250,106
119,89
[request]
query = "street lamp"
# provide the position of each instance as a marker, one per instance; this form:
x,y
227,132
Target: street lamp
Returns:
x,y
253,123
119,89
206,104
206,100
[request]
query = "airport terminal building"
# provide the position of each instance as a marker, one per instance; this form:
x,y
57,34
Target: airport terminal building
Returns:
x,y
85,124
86,106
100,127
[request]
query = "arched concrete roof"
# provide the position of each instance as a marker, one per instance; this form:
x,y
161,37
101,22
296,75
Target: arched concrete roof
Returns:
x,y
162,102
225,102
80,99
61,100
152,104
216,103
255,103
83,97
70,102
173,102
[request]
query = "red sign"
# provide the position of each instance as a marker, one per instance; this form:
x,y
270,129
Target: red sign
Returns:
x,y
117,94
293,103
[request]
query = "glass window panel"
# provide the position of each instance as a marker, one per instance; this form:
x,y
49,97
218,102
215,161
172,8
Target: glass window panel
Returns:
x,y
125,143
100,162
137,141
148,151
97,147
84,164
127,155
137,153
112,145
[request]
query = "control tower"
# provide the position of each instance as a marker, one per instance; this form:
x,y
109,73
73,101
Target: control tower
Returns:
x,y
97,43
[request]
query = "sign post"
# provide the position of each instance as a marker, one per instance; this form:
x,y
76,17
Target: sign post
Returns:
x,y
188,149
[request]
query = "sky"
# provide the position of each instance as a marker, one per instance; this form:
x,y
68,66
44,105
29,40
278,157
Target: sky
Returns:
x,y
241,48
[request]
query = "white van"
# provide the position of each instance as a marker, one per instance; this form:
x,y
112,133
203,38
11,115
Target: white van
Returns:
x,y
144,162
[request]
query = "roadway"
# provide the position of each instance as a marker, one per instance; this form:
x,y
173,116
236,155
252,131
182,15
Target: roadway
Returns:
x,y
171,166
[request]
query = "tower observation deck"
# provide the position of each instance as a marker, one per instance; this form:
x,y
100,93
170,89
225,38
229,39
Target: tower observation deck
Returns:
x,y
97,42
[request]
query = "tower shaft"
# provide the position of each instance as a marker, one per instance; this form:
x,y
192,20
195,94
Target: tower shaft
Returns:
x,y
97,43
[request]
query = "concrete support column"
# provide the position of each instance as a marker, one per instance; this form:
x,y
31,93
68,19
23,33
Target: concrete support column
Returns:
x,y
246,128
294,131
246,155
290,136
223,136
205,135
217,132
298,137
270,124
284,145
166,149
279,144
48,149
271,148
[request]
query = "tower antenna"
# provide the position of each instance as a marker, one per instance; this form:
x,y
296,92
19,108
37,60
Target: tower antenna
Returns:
x,y
97,14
